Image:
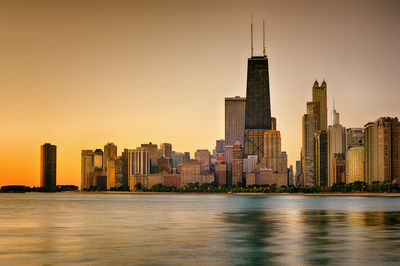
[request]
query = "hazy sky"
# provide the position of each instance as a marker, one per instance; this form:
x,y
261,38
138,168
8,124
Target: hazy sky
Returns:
x,y
83,73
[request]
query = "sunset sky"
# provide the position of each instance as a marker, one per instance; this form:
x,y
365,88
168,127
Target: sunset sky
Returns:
x,y
79,74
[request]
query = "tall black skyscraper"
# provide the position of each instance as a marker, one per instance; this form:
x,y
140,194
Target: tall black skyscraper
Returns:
x,y
48,166
258,106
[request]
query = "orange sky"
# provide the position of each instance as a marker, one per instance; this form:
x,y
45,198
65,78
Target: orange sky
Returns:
x,y
80,74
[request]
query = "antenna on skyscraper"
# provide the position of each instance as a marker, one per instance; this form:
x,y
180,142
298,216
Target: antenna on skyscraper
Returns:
x,y
263,37
251,35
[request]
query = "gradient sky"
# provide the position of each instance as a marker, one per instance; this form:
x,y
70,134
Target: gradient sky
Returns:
x,y
80,74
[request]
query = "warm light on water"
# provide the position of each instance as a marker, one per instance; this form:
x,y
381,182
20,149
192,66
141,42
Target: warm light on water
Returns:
x,y
205,229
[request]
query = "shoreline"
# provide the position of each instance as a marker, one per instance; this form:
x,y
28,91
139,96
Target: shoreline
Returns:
x,y
322,194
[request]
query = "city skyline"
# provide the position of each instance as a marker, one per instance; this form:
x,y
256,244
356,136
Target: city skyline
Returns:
x,y
30,122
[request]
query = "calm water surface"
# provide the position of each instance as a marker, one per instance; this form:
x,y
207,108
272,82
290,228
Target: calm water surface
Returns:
x,y
39,228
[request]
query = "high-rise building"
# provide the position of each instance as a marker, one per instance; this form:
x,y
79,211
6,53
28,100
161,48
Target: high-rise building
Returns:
x,y
237,164
339,168
110,152
272,151
250,164
153,155
187,155
220,173
204,158
177,158
110,173
138,166
234,123
297,177
321,158
336,144
166,150
309,127
355,164
354,137
86,166
382,150
319,95
98,160
48,166
119,165
258,106
165,165
190,172
291,180
220,146
273,123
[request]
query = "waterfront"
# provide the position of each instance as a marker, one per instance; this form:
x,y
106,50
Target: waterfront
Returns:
x,y
173,229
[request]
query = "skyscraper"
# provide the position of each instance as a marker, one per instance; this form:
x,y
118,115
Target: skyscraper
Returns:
x,y
234,123
166,150
48,166
190,172
355,164
319,95
382,150
204,158
258,106
110,153
153,155
86,166
237,164
321,158
98,160
272,151
309,127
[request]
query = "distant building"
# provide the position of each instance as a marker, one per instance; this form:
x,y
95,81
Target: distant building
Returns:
x,y
190,172
138,166
273,123
110,152
98,160
171,180
258,106
187,155
237,164
382,150
165,165
204,158
319,95
272,151
339,168
220,146
119,166
110,173
221,173
48,166
166,150
250,164
153,156
309,125
354,137
355,164
321,158
86,166
291,180
297,176
234,123
177,158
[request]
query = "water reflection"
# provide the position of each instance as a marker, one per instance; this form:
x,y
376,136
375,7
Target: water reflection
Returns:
x,y
316,237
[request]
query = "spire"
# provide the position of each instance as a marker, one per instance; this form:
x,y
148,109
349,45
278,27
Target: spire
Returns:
x,y
316,84
251,35
263,37
333,103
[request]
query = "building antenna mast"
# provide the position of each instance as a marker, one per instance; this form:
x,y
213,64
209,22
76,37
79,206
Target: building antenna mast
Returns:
x,y
251,35
263,37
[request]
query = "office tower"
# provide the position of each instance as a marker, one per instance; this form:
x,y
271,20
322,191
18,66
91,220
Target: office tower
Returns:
x,y
110,173
125,168
165,165
321,158
272,151
273,123
48,166
234,123
382,159
297,177
86,166
338,168
190,172
319,95
220,173
291,176
237,164
166,150
355,164
336,143
177,158
220,146
138,166
110,152
204,158
98,160
250,164
354,137
153,156
187,155
309,127
119,165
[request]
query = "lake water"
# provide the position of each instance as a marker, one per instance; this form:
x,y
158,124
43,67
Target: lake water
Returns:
x,y
174,229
